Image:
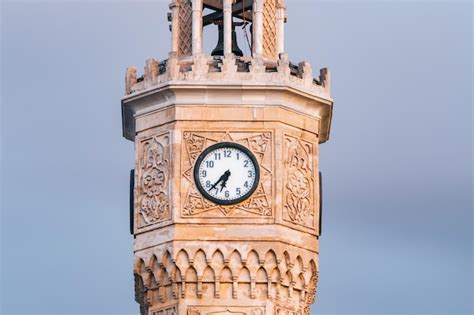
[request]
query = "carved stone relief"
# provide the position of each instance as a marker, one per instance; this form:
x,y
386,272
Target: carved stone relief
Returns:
x,y
299,180
185,28
283,311
311,296
153,187
140,294
269,29
225,310
258,205
226,274
165,311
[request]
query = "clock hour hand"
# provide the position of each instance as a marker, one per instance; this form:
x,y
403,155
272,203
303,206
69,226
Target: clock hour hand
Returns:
x,y
224,177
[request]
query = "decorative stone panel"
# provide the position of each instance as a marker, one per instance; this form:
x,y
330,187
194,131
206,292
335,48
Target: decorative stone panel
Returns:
x,y
173,310
259,205
152,199
269,29
225,310
240,275
299,197
185,28
284,311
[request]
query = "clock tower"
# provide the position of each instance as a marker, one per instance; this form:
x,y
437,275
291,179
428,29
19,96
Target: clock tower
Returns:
x,y
226,188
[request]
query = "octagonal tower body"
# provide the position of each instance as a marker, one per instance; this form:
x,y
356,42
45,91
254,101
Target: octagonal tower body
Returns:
x,y
193,256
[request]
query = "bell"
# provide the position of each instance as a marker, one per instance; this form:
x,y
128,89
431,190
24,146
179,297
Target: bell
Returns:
x,y
219,50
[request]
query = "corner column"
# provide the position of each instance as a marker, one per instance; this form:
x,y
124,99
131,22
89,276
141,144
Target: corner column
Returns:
x,y
197,27
280,26
174,7
227,10
258,28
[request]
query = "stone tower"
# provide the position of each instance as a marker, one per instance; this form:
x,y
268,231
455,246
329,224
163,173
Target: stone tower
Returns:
x,y
211,235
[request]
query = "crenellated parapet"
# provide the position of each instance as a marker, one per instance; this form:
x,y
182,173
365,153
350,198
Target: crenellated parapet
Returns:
x,y
230,69
231,274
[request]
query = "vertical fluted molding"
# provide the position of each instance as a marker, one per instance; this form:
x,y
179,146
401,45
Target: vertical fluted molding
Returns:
x,y
197,27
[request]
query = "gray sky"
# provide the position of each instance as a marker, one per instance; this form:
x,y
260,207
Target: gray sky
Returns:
x,y
397,169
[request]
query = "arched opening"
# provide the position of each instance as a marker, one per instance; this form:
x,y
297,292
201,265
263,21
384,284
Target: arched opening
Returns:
x,y
216,15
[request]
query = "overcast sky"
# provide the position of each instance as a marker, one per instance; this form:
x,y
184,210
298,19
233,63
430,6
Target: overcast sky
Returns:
x,y
397,169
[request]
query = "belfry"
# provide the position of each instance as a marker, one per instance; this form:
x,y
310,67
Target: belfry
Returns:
x,y
226,188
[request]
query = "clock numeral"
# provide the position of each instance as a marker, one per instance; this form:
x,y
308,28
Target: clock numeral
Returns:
x,y
227,194
238,156
204,173
246,163
217,156
208,183
246,184
210,164
227,153
250,173
237,190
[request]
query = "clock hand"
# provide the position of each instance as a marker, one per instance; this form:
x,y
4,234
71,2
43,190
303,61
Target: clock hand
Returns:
x,y
215,184
225,178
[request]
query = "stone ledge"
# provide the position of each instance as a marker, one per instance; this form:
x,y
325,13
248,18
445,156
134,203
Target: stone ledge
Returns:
x,y
212,94
215,234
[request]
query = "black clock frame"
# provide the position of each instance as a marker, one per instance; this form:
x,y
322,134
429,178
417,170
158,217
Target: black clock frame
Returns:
x,y
221,145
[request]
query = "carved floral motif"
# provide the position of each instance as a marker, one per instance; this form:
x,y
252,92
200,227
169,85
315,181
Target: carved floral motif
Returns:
x,y
154,181
299,182
259,204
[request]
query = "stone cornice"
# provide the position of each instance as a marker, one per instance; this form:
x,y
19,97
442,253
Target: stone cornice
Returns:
x,y
230,93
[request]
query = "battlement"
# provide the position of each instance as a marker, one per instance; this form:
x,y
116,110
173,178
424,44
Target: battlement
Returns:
x,y
231,69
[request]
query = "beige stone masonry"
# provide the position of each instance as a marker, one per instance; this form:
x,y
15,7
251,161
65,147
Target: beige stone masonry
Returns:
x,y
257,256
261,255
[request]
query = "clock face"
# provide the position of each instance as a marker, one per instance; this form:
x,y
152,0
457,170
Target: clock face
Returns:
x,y
226,173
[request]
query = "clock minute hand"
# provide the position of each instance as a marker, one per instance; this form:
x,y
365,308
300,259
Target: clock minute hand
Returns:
x,y
215,184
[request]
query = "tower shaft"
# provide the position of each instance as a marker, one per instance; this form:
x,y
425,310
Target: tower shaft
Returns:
x,y
258,256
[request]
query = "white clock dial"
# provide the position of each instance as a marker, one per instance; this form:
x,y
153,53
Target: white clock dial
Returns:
x,y
226,173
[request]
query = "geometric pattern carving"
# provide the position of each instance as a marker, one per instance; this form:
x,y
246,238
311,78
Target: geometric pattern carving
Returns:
x,y
298,182
225,310
259,204
226,273
283,311
185,28
154,184
269,29
165,311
